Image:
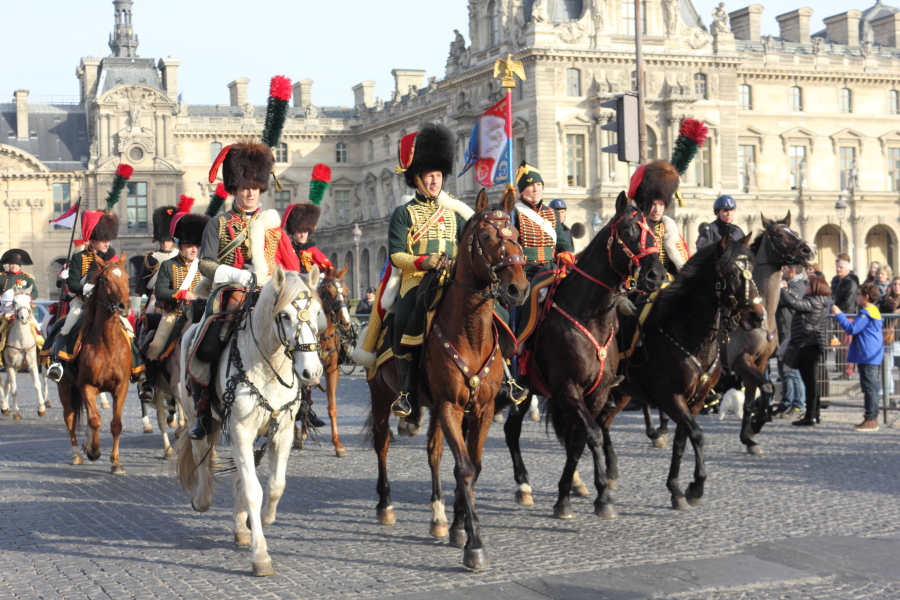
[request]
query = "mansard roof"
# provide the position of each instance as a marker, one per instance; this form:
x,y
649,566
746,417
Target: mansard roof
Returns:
x,y
60,140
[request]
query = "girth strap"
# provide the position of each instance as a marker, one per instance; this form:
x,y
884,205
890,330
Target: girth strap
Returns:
x,y
602,351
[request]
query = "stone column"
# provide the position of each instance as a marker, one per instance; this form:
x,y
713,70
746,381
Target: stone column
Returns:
x,y
858,246
104,136
158,130
167,134
804,221
751,223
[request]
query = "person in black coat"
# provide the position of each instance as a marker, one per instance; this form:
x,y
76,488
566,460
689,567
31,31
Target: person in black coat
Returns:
x,y
844,286
791,383
808,343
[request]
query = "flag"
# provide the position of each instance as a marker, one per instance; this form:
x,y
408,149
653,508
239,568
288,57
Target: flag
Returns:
x,y
179,96
68,219
489,146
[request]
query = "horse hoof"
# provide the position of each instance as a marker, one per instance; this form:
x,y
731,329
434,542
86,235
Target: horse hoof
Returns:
x,y
5,411
458,538
171,423
581,490
298,443
563,512
77,460
498,418
118,470
475,559
661,442
148,428
613,484
242,538
340,452
17,417
439,529
42,414
263,569
385,516
535,415
606,511
524,499
169,454
104,405
199,510
754,449
680,504
694,502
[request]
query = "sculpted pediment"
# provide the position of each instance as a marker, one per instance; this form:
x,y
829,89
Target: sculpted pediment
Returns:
x,y
13,160
125,94
798,133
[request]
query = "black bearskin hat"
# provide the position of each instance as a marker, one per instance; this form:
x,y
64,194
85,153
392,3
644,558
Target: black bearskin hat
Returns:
x,y
431,150
301,217
189,229
657,180
107,228
247,164
162,217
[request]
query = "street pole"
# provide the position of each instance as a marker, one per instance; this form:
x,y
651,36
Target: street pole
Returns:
x,y
639,78
357,233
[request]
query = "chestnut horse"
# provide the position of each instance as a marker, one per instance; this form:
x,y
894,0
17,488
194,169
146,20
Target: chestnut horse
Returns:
x,y
462,371
103,363
573,349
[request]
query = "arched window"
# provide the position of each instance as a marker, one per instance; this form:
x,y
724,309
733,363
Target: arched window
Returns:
x,y
700,85
494,15
281,153
651,144
573,82
796,99
894,102
745,97
214,149
846,101
333,260
341,153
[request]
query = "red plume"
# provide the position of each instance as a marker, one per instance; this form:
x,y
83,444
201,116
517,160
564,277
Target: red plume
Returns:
x,y
220,191
124,170
280,88
321,172
214,170
185,204
693,129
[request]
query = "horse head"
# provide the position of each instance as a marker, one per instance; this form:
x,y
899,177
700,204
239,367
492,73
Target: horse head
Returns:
x,y
734,283
111,288
333,292
495,254
22,306
783,245
295,310
633,248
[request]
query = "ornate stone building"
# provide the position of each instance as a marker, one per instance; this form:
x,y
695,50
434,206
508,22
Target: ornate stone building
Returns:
x,y
797,122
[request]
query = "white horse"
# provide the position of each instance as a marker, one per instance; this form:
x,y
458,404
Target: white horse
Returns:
x,y
270,358
21,351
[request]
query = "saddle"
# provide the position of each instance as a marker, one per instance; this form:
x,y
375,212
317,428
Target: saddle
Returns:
x,y
531,314
629,333
221,311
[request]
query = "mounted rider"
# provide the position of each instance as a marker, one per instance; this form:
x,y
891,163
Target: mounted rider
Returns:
x,y
724,208
146,281
542,234
300,222
12,282
175,281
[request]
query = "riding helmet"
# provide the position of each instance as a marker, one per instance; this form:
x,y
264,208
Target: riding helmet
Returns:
x,y
724,202
558,204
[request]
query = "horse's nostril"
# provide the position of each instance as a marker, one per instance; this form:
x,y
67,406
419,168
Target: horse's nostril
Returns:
x,y
512,290
306,374
652,275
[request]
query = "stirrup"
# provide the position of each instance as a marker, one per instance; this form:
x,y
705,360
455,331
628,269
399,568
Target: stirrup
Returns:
x,y
618,379
401,406
146,393
55,372
517,393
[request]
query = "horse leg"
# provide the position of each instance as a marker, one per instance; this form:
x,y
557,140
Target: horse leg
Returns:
x,y
652,433
65,391
753,379
279,450
202,451
663,427
480,419
678,500
331,392
45,389
612,461
571,400
252,497
438,528
159,402
115,426
145,418
574,444
36,378
695,434
381,428
4,397
239,511
512,430
89,400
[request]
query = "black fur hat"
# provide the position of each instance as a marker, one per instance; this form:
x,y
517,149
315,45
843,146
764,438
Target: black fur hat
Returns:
x,y
432,150
301,217
162,217
107,228
189,229
247,164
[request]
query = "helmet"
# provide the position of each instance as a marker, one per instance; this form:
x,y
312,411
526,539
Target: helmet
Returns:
x,y
724,202
558,204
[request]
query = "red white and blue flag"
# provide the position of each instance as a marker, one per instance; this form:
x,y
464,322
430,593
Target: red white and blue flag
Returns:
x,y
68,218
490,146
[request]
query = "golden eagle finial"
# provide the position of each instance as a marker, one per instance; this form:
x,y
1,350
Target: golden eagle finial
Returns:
x,y
510,68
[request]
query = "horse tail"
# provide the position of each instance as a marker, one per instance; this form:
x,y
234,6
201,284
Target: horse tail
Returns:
x,y
76,402
187,469
556,416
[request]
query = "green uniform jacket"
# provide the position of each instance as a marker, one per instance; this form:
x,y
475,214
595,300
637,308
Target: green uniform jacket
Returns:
x,y
83,264
171,275
20,280
402,222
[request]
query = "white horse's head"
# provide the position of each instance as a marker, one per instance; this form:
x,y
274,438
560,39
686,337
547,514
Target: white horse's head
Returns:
x,y
22,304
296,312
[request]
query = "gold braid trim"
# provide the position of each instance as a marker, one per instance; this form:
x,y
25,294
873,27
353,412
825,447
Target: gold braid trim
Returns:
x,y
273,237
87,261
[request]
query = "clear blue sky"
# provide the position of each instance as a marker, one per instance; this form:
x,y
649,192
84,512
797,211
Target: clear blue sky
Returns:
x,y
335,43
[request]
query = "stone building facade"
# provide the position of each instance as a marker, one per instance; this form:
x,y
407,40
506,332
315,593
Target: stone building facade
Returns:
x,y
797,122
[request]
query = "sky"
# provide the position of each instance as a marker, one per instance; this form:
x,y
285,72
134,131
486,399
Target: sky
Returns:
x,y
221,41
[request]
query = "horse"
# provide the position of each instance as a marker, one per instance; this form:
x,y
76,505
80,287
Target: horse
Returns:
x,y
747,352
21,352
166,388
571,360
332,290
103,364
678,360
462,372
265,366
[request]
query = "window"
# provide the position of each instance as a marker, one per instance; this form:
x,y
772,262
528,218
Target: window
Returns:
x,y
342,205
137,204
282,199
281,153
651,144
386,145
214,149
700,85
628,17
703,167
495,23
573,82
634,81
796,154
62,200
575,160
341,153
846,101
894,102
370,151
894,168
745,97
846,154
796,99
746,153
519,150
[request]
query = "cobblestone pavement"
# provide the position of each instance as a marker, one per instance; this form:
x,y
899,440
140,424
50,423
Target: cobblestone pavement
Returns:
x,y
78,532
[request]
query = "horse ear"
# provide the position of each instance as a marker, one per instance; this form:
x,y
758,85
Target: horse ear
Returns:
x,y
123,259
278,278
787,219
724,243
314,276
343,272
746,240
766,222
621,202
482,201
509,200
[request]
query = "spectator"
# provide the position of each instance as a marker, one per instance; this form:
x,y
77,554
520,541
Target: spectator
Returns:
x,y
808,344
791,384
883,280
844,285
866,349
812,270
890,304
365,305
873,271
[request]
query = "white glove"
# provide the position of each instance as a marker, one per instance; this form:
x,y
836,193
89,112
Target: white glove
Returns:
x,y
88,288
64,274
226,274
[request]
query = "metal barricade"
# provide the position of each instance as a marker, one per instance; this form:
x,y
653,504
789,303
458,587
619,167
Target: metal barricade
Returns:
x,y
839,383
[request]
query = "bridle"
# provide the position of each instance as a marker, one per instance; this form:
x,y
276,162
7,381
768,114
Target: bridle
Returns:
x,y
339,302
749,296
502,222
786,256
110,306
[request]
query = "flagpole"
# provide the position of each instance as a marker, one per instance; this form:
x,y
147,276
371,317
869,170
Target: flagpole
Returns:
x,y
62,290
510,69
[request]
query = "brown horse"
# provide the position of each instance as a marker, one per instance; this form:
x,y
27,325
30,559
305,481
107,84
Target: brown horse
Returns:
x,y
462,367
332,291
102,365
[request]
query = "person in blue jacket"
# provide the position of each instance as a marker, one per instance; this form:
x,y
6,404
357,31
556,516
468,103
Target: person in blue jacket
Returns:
x,y
866,349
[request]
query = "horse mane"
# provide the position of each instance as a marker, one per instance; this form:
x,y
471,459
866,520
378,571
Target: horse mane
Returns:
x,y
686,287
90,322
294,284
757,242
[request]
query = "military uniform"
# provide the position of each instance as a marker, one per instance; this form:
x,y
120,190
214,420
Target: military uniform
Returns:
x,y
12,284
673,252
305,217
541,232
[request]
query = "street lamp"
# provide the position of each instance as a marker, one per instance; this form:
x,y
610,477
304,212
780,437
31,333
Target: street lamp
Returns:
x,y
596,223
357,233
840,209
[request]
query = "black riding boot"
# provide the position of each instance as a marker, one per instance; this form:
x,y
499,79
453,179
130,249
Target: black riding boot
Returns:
x,y
152,368
203,425
311,417
812,414
406,371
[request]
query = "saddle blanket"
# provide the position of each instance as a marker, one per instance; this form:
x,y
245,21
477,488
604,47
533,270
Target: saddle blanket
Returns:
x,y
529,314
6,325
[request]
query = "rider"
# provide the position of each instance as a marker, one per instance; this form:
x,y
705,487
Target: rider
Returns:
x,y
300,222
541,232
242,241
723,207
421,234
146,281
14,281
559,205
176,279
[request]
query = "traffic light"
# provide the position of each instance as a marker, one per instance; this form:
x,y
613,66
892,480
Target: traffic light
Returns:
x,y
626,127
